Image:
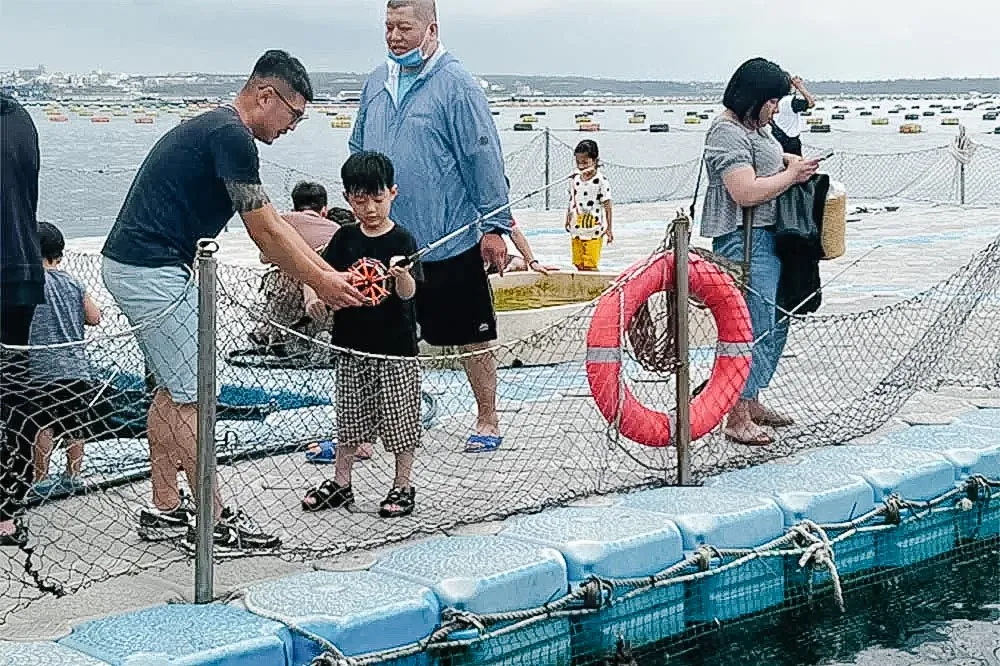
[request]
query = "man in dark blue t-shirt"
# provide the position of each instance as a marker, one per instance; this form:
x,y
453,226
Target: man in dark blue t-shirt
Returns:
x,y
192,182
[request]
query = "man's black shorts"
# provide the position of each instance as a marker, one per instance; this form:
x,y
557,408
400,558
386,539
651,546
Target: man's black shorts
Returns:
x,y
455,302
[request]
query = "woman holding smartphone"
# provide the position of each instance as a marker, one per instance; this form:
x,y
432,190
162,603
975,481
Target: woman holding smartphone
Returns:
x,y
747,171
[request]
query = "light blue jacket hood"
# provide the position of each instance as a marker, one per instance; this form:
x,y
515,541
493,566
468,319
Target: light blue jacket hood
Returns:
x,y
444,145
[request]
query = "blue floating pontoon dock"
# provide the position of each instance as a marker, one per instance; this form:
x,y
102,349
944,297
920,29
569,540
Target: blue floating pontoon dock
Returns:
x,y
973,451
614,543
487,575
733,546
814,492
919,476
723,519
184,635
43,654
359,612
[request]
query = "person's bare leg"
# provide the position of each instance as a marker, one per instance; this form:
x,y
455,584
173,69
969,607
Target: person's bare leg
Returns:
x,y
173,437
74,458
481,369
344,463
162,459
404,470
185,419
43,453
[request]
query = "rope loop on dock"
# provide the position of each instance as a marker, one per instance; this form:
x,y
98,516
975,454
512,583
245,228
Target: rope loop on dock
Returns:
x,y
819,554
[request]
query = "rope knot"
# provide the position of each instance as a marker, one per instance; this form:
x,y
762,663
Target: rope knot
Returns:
x,y
962,148
330,660
978,489
819,554
464,620
894,510
597,593
704,555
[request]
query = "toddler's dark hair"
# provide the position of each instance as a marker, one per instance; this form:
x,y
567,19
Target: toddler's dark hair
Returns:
x,y
52,241
341,216
588,147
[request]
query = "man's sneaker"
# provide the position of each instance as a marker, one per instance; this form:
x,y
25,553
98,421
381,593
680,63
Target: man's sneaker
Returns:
x,y
236,531
156,525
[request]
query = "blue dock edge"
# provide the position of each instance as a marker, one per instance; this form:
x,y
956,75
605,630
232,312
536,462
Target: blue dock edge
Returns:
x,y
446,585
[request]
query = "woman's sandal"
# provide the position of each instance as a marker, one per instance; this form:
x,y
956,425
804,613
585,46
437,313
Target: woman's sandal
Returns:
x,y
769,417
327,495
398,503
741,437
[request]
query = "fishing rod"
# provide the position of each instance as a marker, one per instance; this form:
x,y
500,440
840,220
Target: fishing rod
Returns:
x,y
430,247
374,276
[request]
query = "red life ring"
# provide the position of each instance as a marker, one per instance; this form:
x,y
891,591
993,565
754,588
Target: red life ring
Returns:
x,y
611,319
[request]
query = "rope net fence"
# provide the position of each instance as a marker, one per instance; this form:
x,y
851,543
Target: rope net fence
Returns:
x,y
840,376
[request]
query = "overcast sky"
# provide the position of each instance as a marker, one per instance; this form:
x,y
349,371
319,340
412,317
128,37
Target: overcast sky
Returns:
x,y
649,39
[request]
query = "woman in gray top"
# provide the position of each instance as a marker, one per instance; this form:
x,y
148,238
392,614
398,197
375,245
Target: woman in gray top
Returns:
x,y
747,169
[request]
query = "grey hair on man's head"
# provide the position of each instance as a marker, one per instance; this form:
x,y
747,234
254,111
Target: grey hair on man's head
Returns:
x,y
426,10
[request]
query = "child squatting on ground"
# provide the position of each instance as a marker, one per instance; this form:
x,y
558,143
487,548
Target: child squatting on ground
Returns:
x,y
375,397
65,400
588,217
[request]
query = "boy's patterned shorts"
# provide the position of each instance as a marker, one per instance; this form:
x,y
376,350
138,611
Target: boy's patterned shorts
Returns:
x,y
378,398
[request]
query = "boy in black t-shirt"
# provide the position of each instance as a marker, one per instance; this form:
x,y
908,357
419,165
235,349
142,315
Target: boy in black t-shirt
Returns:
x,y
375,396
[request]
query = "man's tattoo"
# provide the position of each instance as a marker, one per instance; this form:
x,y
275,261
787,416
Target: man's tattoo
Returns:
x,y
247,197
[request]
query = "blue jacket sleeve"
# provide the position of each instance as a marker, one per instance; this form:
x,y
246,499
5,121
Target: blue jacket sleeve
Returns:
x,y
477,149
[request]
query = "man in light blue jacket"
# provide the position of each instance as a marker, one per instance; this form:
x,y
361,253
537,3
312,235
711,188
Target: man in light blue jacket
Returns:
x,y
431,117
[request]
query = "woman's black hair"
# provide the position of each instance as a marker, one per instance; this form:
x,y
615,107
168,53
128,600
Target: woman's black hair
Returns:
x,y
754,83
588,147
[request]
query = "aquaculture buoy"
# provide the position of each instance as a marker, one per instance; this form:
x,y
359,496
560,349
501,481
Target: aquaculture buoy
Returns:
x,y
614,313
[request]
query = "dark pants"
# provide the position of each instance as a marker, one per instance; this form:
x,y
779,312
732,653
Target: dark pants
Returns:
x,y
18,424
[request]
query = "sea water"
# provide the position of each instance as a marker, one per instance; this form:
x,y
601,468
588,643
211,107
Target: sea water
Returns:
x,y
85,201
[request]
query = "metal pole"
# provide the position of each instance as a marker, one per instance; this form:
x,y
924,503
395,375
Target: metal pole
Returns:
x,y
548,167
682,229
961,165
747,247
204,546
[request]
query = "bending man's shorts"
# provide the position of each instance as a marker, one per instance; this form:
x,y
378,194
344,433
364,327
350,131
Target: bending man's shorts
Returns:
x,y
162,305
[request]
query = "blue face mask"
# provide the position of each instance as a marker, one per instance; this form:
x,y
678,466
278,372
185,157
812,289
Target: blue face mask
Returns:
x,y
412,58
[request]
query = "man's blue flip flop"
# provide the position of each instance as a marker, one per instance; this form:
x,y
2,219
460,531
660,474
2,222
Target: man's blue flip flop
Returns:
x,y
321,453
483,443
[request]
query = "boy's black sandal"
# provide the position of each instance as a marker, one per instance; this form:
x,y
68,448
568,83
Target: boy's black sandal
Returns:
x,y
398,503
327,495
